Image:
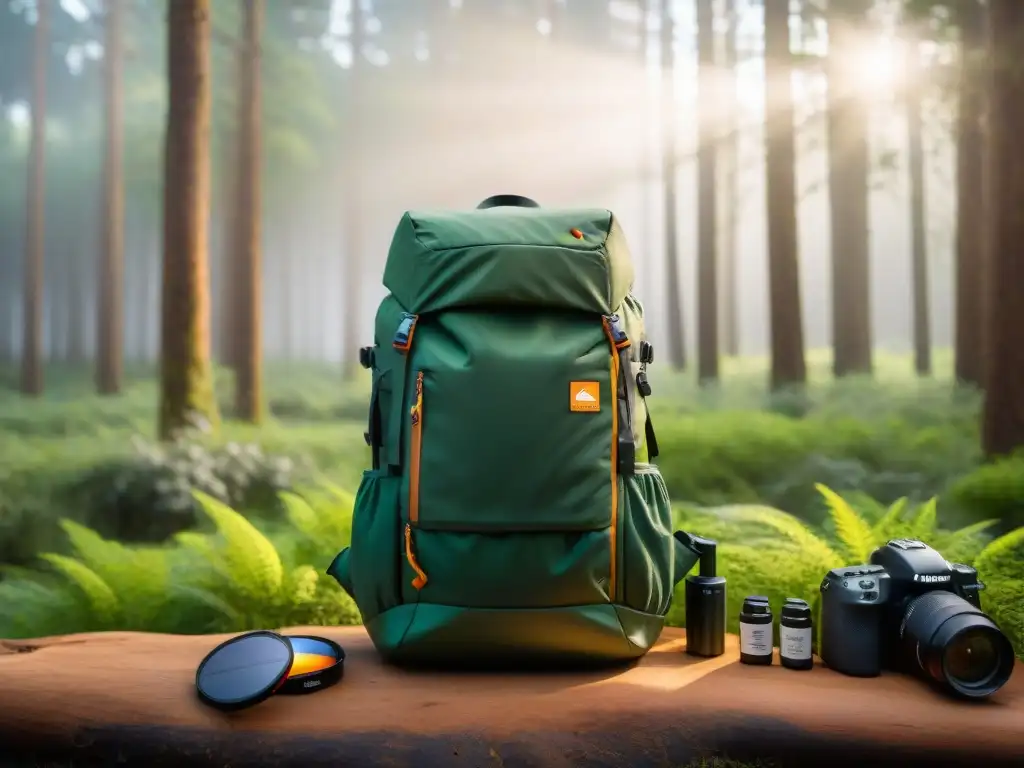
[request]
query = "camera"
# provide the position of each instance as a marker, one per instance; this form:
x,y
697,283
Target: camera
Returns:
x,y
911,610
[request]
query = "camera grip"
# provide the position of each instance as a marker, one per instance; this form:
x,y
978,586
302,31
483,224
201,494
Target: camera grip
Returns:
x,y
851,637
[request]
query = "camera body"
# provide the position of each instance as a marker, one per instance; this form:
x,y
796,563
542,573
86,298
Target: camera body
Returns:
x,y
866,609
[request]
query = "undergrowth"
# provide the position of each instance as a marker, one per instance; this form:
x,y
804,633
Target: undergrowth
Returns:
x,y
237,577
75,455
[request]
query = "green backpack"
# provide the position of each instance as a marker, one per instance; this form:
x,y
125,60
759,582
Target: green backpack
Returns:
x,y
511,513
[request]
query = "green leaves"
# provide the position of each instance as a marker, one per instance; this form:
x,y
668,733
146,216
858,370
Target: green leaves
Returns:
x,y
239,577
853,531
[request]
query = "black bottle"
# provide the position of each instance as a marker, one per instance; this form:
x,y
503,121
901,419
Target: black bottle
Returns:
x,y
705,604
796,634
756,631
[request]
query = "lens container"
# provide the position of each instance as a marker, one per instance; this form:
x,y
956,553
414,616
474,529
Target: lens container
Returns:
x,y
796,634
756,644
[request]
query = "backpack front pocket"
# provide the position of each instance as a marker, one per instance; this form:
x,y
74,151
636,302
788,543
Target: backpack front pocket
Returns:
x,y
374,565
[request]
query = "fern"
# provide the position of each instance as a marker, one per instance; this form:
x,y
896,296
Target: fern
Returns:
x,y
103,603
813,547
924,522
890,521
251,560
139,577
853,531
962,545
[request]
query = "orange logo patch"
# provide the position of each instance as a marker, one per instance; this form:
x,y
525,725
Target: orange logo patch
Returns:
x,y
585,396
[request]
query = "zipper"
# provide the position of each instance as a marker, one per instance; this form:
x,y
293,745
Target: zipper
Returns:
x,y
421,577
415,449
614,530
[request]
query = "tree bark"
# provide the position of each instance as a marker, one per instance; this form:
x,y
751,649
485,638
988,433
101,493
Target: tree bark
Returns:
x,y
969,342
707,235
918,225
249,320
352,232
1003,424
110,306
673,292
784,303
186,377
849,166
729,150
32,345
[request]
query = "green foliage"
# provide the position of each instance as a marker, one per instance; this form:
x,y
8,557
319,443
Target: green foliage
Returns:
x,y
148,496
994,490
72,454
239,577
767,551
232,579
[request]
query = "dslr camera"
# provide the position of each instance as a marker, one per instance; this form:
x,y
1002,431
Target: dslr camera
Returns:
x,y
911,610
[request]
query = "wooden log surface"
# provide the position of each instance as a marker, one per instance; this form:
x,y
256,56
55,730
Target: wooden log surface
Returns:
x,y
129,698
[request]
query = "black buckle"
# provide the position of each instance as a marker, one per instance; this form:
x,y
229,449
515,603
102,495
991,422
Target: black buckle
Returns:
x,y
403,336
646,353
366,357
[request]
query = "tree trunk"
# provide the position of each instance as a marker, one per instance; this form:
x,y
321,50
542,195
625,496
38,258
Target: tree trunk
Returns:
x,y
785,316
673,293
78,255
1003,426
969,342
110,307
707,235
729,154
352,226
849,166
32,344
9,249
249,320
918,225
285,287
642,254
231,238
186,377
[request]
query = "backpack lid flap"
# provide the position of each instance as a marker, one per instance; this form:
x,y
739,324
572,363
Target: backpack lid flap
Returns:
x,y
568,259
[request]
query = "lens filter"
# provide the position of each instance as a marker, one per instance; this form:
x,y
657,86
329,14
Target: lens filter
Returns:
x,y
244,671
319,663
250,668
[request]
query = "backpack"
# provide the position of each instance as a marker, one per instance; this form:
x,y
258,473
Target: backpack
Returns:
x,y
511,513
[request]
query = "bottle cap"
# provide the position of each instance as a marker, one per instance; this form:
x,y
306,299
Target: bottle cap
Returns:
x,y
795,601
796,610
756,605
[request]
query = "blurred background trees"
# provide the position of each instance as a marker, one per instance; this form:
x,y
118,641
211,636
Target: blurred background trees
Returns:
x,y
799,175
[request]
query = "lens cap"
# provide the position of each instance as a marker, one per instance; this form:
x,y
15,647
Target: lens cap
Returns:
x,y
244,670
319,663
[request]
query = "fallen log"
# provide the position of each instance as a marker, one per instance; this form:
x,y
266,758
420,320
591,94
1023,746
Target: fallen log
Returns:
x,y
129,698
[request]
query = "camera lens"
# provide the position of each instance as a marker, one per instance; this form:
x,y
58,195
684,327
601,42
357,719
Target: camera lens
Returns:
x,y
971,657
957,645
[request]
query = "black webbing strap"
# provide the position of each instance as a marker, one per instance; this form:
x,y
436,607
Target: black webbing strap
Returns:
x,y
650,438
402,343
623,393
373,436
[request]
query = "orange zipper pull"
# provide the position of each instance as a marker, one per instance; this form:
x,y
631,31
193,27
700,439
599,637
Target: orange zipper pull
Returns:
x,y
421,578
